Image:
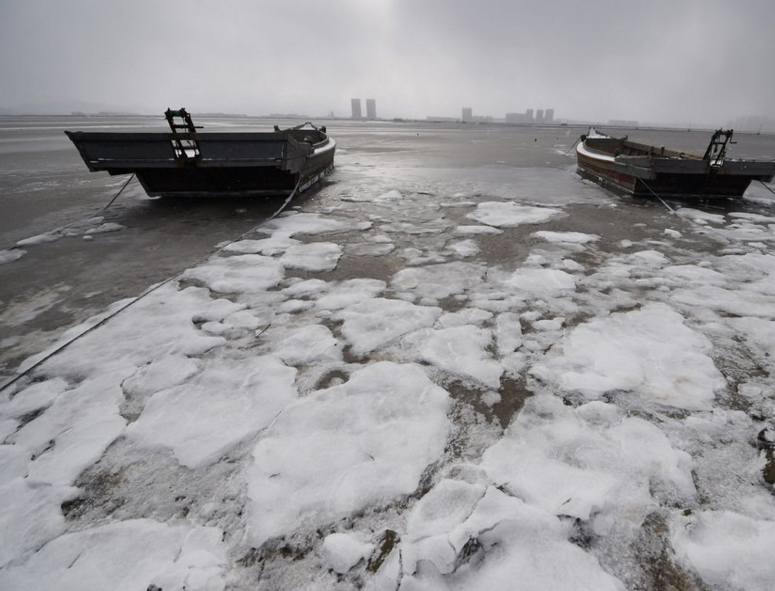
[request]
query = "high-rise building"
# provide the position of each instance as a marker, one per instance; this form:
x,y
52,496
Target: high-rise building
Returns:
x,y
549,115
540,116
356,105
529,115
371,109
468,114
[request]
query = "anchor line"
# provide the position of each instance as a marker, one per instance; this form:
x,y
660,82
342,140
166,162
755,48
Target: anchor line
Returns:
x,y
146,293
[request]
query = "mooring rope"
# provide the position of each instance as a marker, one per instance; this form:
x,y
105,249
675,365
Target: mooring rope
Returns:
x,y
120,191
144,294
578,139
766,187
78,221
655,195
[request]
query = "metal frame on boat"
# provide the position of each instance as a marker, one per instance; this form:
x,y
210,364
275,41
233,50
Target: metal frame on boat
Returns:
x,y
641,170
189,163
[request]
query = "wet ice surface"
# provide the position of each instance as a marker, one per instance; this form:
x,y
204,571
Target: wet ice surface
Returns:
x,y
416,382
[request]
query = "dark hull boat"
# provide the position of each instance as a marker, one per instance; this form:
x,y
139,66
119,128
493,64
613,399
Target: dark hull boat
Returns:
x,y
188,163
630,168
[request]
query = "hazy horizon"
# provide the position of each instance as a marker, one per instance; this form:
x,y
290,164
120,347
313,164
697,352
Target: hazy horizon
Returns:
x,y
697,62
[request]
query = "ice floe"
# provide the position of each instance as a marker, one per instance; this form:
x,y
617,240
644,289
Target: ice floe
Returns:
x,y
343,551
278,243
350,292
125,556
650,351
464,536
374,323
508,214
459,351
306,345
226,402
31,515
542,282
476,230
589,463
318,256
569,237
339,450
40,239
440,281
238,273
296,224
11,255
727,549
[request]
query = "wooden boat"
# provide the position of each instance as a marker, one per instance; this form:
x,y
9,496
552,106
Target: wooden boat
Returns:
x,y
641,170
187,163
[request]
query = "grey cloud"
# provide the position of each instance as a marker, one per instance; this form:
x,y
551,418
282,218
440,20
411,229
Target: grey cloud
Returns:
x,y
658,61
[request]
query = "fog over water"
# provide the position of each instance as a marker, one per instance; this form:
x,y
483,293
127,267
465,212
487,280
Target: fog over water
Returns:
x,y
694,62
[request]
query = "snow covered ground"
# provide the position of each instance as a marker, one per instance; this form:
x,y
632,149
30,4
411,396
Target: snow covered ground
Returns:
x,y
415,384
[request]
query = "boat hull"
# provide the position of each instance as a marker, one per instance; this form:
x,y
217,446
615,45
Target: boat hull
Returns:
x,y
246,181
670,175
213,164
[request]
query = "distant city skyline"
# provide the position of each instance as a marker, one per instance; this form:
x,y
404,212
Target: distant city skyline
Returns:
x,y
749,124
596,60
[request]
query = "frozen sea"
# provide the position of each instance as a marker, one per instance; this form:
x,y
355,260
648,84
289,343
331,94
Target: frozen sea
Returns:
x,y
451,365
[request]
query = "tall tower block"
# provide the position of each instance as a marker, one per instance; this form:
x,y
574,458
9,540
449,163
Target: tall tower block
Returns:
x,y
371,109
356,106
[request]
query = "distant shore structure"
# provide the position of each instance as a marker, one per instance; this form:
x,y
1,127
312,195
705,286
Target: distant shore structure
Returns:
x,y
356,108
469,117
542,116
371,109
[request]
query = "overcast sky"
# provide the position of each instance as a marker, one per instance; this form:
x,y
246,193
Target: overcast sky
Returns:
x,y
700,61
